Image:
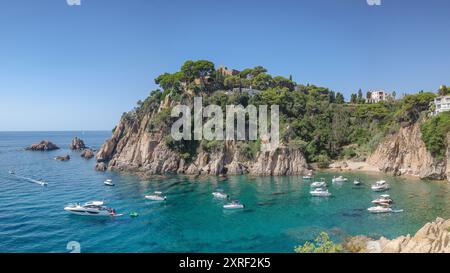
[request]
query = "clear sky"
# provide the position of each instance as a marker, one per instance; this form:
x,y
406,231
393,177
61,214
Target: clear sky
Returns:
x,y
80,67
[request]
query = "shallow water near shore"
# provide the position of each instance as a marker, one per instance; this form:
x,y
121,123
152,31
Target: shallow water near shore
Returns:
x,y
279,212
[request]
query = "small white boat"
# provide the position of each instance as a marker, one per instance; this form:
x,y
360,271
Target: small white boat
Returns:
x,y
156,196
321,192
380,185
42,182
12,172
380,209
108,182
319,184
339,179
220,195
235,204
356,182
92,208
384,199
307,177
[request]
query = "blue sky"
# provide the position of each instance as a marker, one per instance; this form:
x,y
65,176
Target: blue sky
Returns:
x,y
80,67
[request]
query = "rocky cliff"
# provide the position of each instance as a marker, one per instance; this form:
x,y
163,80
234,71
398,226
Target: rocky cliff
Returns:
x,y
434,237
133,147
406,154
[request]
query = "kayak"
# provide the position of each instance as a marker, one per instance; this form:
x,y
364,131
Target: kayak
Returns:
x,y
134,214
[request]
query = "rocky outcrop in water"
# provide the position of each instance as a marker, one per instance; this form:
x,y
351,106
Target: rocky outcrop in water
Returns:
x,y
62,158
87,153
77,144
406,154
434,237
133,148
44,145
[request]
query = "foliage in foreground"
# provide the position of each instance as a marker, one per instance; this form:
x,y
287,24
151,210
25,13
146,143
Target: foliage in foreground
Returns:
x,y
322,244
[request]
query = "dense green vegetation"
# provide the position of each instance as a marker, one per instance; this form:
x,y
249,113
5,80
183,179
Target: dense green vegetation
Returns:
x,y
434,134
314,119
322,244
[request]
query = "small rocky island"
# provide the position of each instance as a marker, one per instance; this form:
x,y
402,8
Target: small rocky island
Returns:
x,y
44,145
87,154
63,158
77,144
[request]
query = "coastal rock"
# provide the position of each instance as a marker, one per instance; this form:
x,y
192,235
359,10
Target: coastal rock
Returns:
x,y
433,237
77,144
283,161
44,145
406,154
101,167
133,147
62,158
87,153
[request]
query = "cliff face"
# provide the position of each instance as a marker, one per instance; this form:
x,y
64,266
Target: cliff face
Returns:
x,y
406,154
133,148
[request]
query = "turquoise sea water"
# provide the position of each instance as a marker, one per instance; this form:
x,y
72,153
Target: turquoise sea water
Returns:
x,y
279,213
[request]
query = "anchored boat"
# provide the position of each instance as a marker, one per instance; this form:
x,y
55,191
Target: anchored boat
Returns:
x,y
219,194
339,179
235,204
320,192
108,182
319,184
380,185
384,199
156,196
92,208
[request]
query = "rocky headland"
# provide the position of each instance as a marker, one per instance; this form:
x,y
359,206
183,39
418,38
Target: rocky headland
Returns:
x,y
133,148
317,129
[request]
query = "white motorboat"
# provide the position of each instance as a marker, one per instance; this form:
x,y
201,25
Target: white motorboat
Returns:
x,y
235,204
322,192
339,179
156,196
307,177
319,184
108,182
384,199
41,182
356,182
380,209
220,194
92,208
380,185
12,172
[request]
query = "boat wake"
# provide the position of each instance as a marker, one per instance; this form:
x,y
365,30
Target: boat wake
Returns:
x,y
39,182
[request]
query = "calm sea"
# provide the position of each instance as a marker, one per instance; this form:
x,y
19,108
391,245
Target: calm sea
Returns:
x,y
279,213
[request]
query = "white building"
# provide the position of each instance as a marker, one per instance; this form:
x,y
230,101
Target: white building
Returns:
x,y
251,92
379,95
442,104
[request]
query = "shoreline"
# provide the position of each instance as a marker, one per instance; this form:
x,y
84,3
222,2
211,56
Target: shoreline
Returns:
x,y
352,167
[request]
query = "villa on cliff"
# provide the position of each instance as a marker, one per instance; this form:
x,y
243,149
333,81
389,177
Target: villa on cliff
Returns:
x,y
379,95
442,104
227,72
